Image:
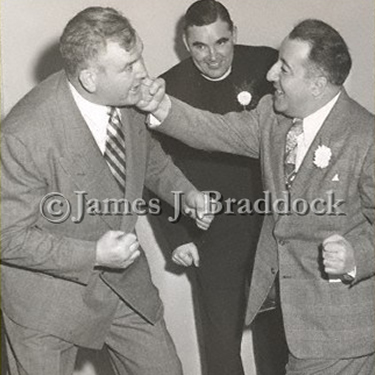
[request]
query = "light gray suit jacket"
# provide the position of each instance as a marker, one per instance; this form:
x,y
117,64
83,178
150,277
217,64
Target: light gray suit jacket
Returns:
x,y
48,277
321,319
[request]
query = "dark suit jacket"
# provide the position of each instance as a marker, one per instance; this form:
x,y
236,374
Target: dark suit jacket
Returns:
x,y
232,176
321,319
48,277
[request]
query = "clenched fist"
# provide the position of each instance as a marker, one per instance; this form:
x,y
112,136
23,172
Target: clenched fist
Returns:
x,y
115,249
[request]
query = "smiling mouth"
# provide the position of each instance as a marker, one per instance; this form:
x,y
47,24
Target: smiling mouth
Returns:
x,y
214,65
278,92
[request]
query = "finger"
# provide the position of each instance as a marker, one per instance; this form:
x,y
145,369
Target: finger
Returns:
x,y
195,257
203,226
130,260
157,86
333,268
128,239
189,211
187,258
333,238
332,271
205,222
332,247
202,205
180,261
147,81
333,257
135,255
134,246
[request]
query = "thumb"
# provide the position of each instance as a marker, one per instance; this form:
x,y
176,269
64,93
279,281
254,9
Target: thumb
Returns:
x,y
195,255
202,205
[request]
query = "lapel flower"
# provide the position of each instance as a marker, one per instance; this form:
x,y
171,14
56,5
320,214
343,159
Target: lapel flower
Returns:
x,y
244,98
322,156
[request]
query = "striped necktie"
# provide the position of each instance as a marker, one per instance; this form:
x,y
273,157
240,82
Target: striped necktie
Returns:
x,y
291,151
114,152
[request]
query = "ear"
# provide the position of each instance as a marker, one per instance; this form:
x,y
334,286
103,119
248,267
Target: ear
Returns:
x,y
319,85
234,32
88,78
184,38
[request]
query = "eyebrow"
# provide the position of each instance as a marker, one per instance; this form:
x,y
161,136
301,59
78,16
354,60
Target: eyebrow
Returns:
x,y
198,44
223,39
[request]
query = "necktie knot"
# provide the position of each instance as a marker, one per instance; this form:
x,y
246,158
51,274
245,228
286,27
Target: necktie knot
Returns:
x,y
291,138
114,117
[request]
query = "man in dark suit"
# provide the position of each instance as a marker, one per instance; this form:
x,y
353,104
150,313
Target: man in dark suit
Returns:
x,y
220,77
316,248
75,158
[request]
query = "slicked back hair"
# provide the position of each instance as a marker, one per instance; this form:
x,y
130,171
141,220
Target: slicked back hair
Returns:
x,y
329,53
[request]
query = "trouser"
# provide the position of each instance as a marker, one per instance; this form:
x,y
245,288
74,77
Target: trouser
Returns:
x,y
222,313
136,347
269,343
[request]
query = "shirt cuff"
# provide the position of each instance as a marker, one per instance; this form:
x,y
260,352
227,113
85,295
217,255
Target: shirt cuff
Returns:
x,y
353,273
152,121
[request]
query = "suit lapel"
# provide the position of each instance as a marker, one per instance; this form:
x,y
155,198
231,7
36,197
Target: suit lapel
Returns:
x,y
83,159
327,135
135,160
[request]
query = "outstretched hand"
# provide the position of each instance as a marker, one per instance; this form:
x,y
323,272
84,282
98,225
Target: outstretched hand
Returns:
x,y
154,100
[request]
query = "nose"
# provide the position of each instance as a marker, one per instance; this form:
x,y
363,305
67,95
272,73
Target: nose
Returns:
x,y
212,54
273,73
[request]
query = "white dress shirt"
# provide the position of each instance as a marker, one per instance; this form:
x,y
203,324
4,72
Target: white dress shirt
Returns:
x,y
311,126
95,115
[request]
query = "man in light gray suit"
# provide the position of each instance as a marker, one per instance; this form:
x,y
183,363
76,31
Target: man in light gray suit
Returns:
x,y
75,157
316,146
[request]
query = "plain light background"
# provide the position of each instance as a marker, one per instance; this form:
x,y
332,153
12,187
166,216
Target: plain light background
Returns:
x,y
29,35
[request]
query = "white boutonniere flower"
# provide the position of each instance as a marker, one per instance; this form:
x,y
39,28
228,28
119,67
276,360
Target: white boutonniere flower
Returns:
x,y
244,98
322,156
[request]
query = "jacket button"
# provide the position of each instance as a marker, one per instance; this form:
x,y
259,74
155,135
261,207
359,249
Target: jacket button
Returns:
x,y
281,242
273,270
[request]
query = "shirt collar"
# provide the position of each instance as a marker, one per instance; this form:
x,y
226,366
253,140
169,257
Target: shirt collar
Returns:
x,y
87,107
313,122
225,75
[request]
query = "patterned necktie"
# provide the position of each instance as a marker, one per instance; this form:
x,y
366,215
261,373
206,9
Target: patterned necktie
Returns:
x,y
291,151
114,152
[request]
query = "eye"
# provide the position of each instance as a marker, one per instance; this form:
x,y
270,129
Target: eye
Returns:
x,y
283,69
129,68
199,47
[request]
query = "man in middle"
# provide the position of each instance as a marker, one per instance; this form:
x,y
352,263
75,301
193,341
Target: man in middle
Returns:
x,y
220,77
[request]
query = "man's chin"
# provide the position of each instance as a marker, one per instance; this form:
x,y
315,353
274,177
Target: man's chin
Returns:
x,y
131,100
277,106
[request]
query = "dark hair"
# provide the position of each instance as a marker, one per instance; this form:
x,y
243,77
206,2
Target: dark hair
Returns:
x,y
205,12
87,34
328,50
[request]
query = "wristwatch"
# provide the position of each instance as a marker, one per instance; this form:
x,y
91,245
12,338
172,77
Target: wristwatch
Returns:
x,y
349,276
